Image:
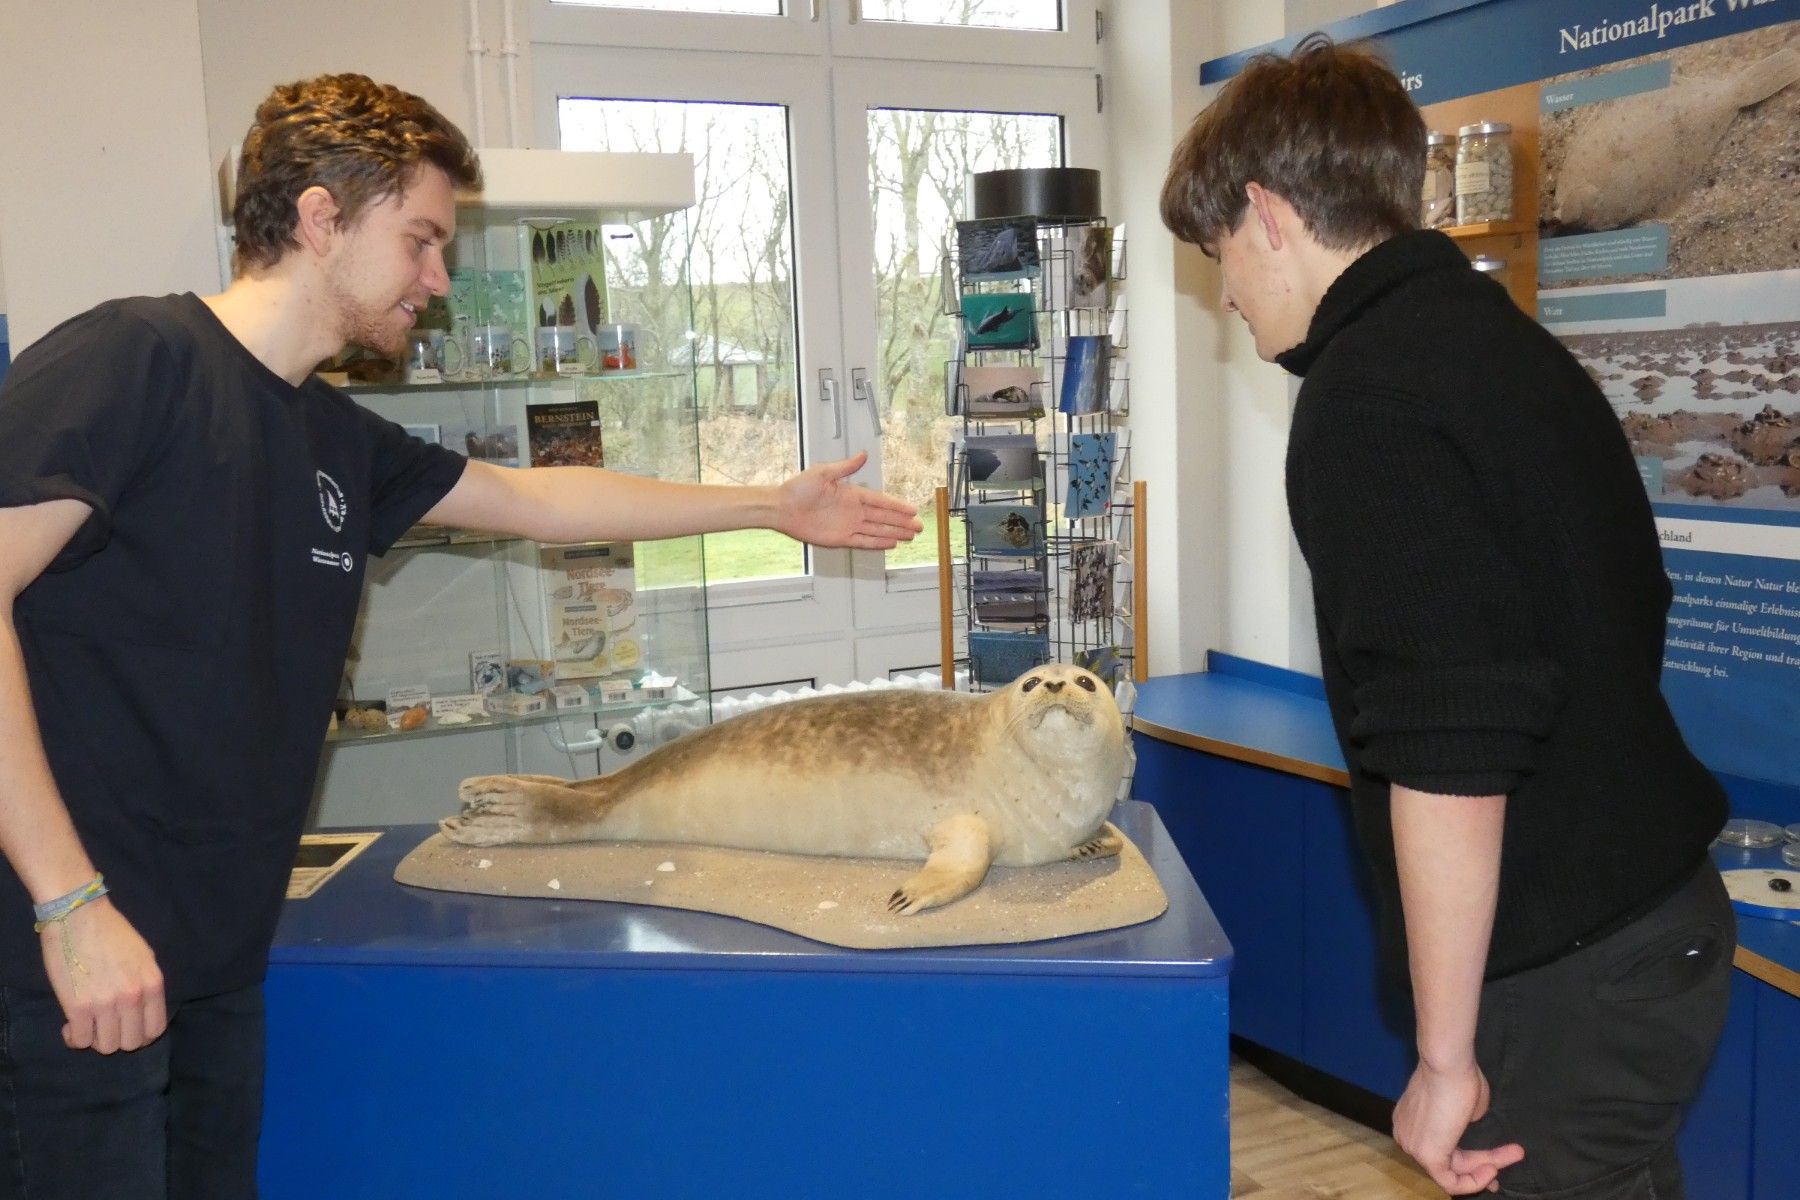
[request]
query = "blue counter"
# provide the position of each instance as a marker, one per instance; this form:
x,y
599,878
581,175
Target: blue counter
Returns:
x,y
436,1044
1244,766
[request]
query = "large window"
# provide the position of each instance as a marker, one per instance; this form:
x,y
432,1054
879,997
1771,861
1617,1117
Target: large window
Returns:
x,y
832,146
919,166
739,248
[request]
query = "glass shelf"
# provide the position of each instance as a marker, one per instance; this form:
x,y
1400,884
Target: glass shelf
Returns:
x,y
343,737
420,536
505,382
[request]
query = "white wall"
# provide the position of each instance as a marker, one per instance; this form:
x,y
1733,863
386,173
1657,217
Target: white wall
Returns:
x,y
419,45
1209,420
103,173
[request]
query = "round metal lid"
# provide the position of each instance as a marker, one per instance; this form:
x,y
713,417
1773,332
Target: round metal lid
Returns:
x,y
1047,193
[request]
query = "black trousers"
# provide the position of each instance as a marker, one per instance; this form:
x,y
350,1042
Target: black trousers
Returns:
x,y
1591,1058
176,1120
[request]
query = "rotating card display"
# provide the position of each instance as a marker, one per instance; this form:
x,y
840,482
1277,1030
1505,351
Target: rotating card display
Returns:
x,y
1039,473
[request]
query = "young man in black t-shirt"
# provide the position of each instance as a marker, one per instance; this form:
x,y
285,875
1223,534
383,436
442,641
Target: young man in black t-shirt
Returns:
x,y
186,514
1490,599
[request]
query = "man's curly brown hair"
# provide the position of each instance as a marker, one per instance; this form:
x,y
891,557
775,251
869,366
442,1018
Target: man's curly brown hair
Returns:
x,y
358,139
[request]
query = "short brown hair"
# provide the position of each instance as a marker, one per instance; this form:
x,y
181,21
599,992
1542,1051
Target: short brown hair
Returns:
x,y
1329,129
358,139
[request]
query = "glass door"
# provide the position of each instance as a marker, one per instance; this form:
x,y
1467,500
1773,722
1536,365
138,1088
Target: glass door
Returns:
x,y
919,131
826,186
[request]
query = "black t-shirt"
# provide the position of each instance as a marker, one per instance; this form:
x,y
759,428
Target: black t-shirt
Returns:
x,y
184,649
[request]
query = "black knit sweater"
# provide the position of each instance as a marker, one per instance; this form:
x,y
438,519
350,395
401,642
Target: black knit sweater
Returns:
x,y
1490,597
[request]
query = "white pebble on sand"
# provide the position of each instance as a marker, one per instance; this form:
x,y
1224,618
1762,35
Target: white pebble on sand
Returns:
x,y
556,885
484,864
668,866
828,904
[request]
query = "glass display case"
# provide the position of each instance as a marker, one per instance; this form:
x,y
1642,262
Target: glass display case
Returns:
x,y
558,344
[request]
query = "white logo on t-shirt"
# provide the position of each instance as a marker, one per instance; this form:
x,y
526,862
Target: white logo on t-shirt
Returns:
x,y
332,502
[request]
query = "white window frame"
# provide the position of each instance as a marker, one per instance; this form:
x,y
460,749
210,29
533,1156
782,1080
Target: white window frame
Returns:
x,y
819,600
907,595
801,29
1076,44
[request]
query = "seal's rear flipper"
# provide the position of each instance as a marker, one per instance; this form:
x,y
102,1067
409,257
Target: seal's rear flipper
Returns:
x,y
501,809
962,849
1104,844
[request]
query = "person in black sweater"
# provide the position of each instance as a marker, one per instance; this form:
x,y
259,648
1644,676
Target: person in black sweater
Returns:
x,y
1490,601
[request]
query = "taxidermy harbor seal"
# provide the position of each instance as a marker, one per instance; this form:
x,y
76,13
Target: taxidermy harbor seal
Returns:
x,y
1020,777
1641,154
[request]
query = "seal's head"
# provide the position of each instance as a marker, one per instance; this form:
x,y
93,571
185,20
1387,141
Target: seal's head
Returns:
x,y
1066,699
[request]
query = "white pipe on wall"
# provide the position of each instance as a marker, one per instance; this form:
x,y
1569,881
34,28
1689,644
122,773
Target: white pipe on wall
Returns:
x,y
477,66
509,52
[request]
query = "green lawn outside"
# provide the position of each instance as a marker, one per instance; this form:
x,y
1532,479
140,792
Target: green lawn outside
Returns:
x,y
759,554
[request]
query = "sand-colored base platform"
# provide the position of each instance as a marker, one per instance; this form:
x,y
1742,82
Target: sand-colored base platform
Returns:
x,y
840,901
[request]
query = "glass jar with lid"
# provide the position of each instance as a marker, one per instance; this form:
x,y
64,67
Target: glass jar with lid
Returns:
x,y
1438,197
1484,173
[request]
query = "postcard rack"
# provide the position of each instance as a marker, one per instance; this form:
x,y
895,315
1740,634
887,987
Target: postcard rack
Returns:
x,y
1039,479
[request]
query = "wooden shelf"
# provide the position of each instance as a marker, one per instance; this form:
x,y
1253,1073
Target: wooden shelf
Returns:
x,y
1490,229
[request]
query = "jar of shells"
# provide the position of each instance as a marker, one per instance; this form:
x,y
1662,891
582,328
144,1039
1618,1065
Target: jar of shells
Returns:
x,y
1438,198
1484,173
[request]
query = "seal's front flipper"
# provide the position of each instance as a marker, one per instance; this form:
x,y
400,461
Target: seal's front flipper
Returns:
x,y
962,849
502,809
1104,844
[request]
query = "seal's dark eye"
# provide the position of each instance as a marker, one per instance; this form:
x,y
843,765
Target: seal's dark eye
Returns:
x,y
1031,683
1084,683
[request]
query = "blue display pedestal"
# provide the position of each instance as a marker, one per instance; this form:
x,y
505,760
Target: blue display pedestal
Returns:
x,y
436,1044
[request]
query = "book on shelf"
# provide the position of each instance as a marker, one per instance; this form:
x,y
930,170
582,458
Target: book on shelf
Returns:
x,y
568,274
564,434
590,603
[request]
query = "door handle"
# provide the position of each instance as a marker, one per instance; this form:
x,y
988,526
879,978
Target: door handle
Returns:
x,y
862,389
828,392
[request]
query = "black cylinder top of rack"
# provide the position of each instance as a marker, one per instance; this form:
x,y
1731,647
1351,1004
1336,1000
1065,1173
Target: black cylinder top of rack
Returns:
x,y
1047,193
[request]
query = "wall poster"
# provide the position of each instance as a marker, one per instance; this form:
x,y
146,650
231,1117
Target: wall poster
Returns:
x,y
1658,205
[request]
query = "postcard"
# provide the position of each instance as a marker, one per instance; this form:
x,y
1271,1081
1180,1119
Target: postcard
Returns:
x,y
997,248
996,658
1090,266
1009,598
1090,475
1090,588
996,461
1010,530
1084,376
1002,392
999,320
1103,661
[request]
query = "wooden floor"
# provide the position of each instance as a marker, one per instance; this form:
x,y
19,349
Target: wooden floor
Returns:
x,y
1283,1148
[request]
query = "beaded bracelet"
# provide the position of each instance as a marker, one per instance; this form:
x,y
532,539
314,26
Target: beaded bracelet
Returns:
x,y
59,908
